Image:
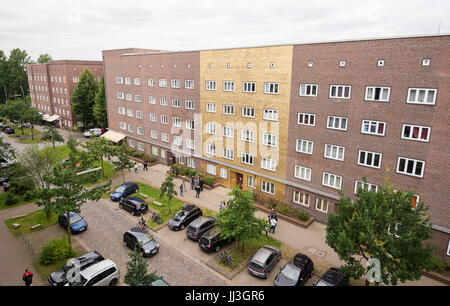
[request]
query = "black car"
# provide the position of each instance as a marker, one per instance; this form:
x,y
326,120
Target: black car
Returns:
x,y
212,240
136,237
5,126
199,226
333,278
184,217
5,163
9,130
59,277
295,273
134,205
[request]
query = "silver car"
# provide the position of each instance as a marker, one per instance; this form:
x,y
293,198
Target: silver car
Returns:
x,y
264,261
103,273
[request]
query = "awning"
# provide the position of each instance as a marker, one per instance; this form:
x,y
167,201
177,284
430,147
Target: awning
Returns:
x,y
45,117
113,136
52,118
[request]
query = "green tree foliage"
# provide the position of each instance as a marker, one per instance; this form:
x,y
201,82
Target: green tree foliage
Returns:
x,y
51,134
18,78
100,105
381,224
38,163
168,188
44,58
6,150
32,117
122,161
4,76
19,110
83,98
137,271
100,149
238,220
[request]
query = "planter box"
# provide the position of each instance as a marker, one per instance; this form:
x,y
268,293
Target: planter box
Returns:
x,y
188,179
137,159
436,276
294,221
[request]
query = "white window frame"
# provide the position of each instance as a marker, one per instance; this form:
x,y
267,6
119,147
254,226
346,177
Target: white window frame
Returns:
x,y
137,81
247,159
228,86
322,201
334,152
211,149
307,90
190,161
370,124
228,109
370,186
270,114
127,80
251,181
154,134
190,125
190,144
175,83
175,102
303,143
249,87
228,131
223,173
120,95
420,127
211,107
247,135
332,120
373,90
151,82
267,187
302,173
211,85
211,169
308,117
164,119
272,137
189,84
210,128
176,121
137,98
271,88
140,130
189,104
336,96
139,114
332,180
165,137
151,99
365,164
301,195
153,117
162,83
121,110
427,92
140,146
248,112
268,164
407,160
228,153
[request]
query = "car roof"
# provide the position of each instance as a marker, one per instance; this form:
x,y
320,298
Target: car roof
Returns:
x,y
300,260
189,207
211,233
136,231
135,199
95,268
128,184
89,255
263,253
200,220
332,276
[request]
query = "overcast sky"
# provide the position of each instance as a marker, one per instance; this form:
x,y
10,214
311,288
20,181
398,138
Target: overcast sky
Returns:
x,y
81,29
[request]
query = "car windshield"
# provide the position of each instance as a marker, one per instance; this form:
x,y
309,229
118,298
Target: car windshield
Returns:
x,y
180,215
120,189
75,218
322,283
143,239
81,281
256,265
290,272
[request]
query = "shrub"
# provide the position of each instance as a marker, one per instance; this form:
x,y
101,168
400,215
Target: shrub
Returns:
x,y
209,180
176,169
11,199
192,172
302,215
284,209
55,250
149,159
28,196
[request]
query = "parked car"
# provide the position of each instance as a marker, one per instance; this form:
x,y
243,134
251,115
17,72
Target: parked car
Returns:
x,y
333,278
124,190
212,240
4,179
134,205
9,130
264,261
59,277
94,132
103,273
136,237
77,222
199,226
184,217
5,163
296,273
4,127
160,282
65,161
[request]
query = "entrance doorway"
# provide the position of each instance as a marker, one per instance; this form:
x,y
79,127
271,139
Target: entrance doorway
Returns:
x,y
239,180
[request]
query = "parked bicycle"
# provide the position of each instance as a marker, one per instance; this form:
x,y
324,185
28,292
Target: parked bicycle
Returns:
x,y
226,258
142,225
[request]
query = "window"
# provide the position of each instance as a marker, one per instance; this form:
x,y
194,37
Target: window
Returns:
x,y
228,109
412,167
228,65
363,185
190,162
140,146
416,132
154,135
164,119
120,95
155,151
152,100
177,140
228,86
268,164
174,83
188,104
211,169
373,127
421,96
369,159
246,158
340,91
380,63
300,198
129,112
190,144
211,149
189,84
426,62
337,123
249,65
128,97
251,182
176,121
121,110
210,107
308,90
341,63
271,88
267,187
163,101
228,131
140,130
270,114
153,117
249,87
164,137
304,146
190,124
223,173
151,82
377,93
302,173
269,140
176,103
138,98
334,152
131,143
162,82
228,153
210,128
210,85
248,135
130,128
139,114
137,81
306,119
248,112
127,80
322,205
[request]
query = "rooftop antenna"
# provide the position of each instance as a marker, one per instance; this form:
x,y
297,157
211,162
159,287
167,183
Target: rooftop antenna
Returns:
x,y
439,28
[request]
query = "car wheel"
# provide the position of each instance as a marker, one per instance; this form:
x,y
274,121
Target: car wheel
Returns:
x,y
120,206
113,282
182,227
133,213
218,248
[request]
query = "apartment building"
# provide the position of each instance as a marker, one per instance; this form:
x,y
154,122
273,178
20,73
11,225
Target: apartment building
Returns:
x,y
297,122
51,85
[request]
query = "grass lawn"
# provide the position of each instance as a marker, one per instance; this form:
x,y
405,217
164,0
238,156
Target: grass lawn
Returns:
x,y
31,141
37,217
3,200
26,131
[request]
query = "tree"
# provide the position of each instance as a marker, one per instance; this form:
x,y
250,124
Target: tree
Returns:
x,y
4,77
83,97
122,162
99,108
238,220
7,151
137,271
168,188
381,225
17,110
100,150
44,58
32,117
52,135
18,78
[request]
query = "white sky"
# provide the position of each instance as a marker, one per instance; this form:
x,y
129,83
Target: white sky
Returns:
x,y
81,29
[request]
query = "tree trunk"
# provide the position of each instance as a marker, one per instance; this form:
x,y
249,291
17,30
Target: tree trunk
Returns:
x,y
68,233
53,145
32,127
103,172
123,177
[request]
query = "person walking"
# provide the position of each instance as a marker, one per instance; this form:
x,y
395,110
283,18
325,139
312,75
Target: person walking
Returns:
x,y
220,206
201,184
273,224
192,182
27,277
181,189
197,191
136,169
145,165
273,215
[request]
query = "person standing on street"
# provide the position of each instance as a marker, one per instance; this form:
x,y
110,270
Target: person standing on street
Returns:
x,y
197,191
27,277
145,165
201,184
220,206
273,224
181,189
192,183
136,169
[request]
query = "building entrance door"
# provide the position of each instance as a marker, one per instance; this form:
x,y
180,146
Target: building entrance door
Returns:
x,y
239,180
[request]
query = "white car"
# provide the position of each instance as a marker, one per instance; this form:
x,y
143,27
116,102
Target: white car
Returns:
x,y
103,273
93,132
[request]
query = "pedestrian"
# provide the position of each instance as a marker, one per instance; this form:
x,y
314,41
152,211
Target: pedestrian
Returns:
x,y
197,191
145,165
273,214
220,206
136,169
273,224
201,184
140,167
27,277
181,189
192,182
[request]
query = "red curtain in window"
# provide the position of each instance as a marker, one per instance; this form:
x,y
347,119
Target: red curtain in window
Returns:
x,y
424,135
415,132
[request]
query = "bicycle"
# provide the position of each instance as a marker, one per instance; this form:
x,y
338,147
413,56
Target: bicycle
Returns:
x,y
156,218
225,258
142,225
